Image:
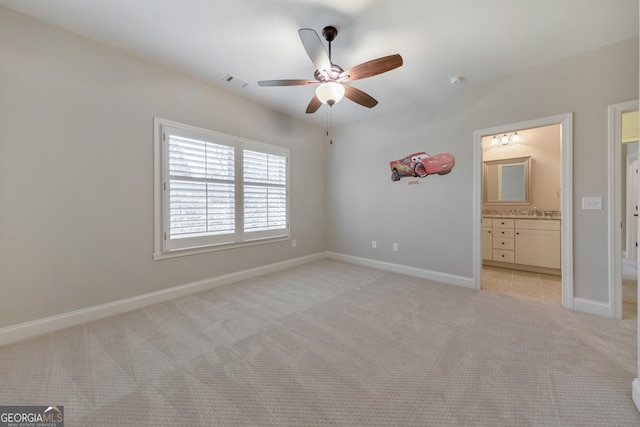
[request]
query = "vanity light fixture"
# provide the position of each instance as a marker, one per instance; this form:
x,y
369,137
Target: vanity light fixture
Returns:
x,y
505,139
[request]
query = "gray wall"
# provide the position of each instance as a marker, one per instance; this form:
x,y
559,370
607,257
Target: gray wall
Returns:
x,y
432,221
76,172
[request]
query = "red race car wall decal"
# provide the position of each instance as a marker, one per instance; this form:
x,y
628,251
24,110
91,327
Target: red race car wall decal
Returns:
x,y
422,164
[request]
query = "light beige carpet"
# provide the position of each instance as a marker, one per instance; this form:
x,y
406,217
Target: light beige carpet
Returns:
x,y
329,344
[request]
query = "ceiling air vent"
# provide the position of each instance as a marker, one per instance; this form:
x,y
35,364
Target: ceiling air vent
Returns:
x,y
235,82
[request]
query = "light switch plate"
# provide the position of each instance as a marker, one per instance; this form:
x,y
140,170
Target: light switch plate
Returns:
x,y
592,203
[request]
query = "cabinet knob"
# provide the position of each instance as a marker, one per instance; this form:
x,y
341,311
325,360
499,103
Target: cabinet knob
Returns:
x,y
518,233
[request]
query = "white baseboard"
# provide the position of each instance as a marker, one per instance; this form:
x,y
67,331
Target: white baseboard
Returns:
x,y
34,328
450,279
635,392
592,307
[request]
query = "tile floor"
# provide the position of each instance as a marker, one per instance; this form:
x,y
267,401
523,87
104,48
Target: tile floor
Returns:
x,y
540,286
547,287
629,298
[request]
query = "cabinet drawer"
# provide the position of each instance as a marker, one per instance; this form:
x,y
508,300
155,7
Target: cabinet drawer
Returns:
x,y
503,223
487,222
538,224
503,232
503,255
503,243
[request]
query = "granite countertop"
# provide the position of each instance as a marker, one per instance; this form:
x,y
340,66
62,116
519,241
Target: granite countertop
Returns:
x,y
514,214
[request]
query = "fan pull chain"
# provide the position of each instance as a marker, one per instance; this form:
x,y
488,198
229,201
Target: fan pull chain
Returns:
x,y
330,124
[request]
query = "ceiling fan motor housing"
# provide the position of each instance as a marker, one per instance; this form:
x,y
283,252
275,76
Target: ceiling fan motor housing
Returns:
x,y
336,70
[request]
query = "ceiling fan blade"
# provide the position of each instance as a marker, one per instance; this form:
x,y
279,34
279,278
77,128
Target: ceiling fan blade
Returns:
x,y
286,82
315,49
313,105
359,97
372,68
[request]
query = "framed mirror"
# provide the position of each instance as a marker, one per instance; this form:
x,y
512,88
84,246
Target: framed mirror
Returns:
x,y
507,181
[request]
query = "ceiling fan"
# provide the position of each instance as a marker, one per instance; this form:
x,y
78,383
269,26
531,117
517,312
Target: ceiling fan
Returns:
x,y
330,77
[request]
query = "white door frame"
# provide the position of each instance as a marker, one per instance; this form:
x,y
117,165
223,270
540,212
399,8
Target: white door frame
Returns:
x,y
615,204
566,204
631,208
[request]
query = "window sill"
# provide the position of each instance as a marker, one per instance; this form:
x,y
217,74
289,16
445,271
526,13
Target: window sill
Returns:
x,y
215,248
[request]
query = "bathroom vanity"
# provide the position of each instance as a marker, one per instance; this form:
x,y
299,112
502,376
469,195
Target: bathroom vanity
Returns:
x,y
515,233
526,242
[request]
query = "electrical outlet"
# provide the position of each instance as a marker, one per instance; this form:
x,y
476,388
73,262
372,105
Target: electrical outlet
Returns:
x,y
374,244
294,243
395,247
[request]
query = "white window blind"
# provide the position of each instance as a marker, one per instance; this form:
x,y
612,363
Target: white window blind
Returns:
x,y
265,191
217,192
201,188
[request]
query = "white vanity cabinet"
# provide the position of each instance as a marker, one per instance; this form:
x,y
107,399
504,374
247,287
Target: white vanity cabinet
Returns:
x,y
537,243
530,244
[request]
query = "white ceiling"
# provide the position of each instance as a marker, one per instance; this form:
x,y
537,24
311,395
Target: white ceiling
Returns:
x,y
257,40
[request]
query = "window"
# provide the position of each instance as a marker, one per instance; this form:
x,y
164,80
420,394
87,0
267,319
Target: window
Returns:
x,y
265,191
215,191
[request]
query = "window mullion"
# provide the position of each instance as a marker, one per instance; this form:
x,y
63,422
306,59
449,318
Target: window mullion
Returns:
x,y
239,193
206,187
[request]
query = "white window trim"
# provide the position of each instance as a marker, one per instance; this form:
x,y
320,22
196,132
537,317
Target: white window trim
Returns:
x,y
241,238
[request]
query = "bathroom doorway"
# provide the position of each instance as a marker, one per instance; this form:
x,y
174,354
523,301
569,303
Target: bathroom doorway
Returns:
x,y
623,209
564,125
521,213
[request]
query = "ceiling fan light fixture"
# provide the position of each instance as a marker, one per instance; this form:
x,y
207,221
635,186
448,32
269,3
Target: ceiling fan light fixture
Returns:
x,y
330,93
